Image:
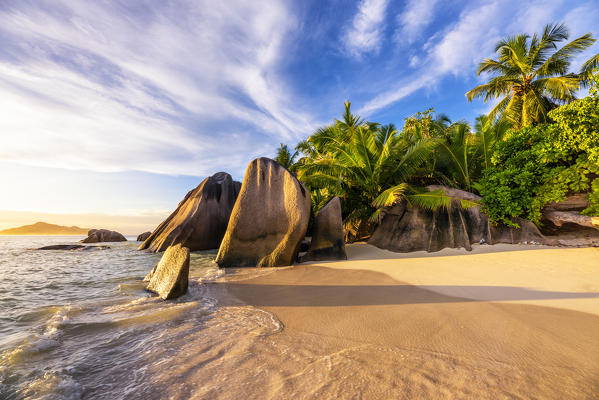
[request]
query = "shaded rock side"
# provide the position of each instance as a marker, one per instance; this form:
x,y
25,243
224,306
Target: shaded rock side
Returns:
x,y
328,236
406,229
143,236
201,218
269,220
103,235
169,278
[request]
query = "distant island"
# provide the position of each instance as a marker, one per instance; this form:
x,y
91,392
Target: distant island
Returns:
x,y
43,228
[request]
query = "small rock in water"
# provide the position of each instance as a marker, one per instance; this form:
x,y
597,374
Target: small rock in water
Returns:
x,y
103,235
143,236
73,247
169,278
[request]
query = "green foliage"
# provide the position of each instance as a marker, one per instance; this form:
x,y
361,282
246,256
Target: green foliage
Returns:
x,y
285,158
368,165
462,155
542,164
531,75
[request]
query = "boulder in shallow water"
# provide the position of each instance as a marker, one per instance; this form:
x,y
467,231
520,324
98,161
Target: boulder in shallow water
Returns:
x,y
328,236
103,235
73,247
201,219
169,278
143,236
269,220
406,229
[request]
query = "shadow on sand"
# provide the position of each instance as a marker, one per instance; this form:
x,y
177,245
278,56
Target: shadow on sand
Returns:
x,y
279,295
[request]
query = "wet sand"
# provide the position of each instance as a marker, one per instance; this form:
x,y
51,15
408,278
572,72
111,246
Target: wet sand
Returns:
x,y
500,322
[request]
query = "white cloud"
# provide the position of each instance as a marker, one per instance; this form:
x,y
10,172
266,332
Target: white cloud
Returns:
x,y
365,33
459,48
466,43
101,87
417,15
401,91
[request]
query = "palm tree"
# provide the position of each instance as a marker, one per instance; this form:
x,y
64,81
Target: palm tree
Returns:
x,y
285,158
488,132
367,172
456,156
370,169
531,76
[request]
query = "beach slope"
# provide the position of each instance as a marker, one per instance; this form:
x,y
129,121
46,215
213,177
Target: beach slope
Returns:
x,y
500,322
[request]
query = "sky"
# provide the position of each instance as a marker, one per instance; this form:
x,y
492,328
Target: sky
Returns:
x,y
110,111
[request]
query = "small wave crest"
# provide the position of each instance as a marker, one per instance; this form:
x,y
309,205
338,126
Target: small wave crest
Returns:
x,y
53,386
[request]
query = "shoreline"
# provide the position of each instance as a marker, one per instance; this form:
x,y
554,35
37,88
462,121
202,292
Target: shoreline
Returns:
x,y
488,324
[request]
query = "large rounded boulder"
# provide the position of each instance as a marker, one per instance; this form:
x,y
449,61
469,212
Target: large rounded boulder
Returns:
x,y
406,229
328,237
269,220
200,220
103,235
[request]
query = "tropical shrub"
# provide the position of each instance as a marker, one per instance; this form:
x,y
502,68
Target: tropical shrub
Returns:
x,y
542,164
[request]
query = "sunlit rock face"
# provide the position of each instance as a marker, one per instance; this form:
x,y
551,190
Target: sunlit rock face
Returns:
x,y
170,277
269,220
103,235
143,236
327,238
201,219
405,229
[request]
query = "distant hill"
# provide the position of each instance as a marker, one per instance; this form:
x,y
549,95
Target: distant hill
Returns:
x,y
43,228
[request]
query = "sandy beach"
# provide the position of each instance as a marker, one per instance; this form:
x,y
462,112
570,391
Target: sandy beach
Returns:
x,y
505,321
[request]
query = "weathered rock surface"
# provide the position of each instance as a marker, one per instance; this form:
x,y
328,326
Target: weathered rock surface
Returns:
x,y
79,247
574,202
103,235
563,224
269,220
328,236
169,278
201,219
405,229
559,218
143,236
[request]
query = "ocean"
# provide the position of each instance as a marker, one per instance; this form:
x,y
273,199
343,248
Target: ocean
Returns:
x,y
79,325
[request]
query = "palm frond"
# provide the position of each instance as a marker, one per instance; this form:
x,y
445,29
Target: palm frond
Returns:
x,y
589,67
390,196
436,199
559,62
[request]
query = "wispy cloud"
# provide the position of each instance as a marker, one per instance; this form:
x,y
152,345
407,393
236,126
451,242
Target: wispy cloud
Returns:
x,y
458,48
416,16
366,31
112,86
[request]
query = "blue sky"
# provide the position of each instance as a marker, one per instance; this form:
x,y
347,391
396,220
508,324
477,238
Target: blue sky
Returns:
x,y
122,107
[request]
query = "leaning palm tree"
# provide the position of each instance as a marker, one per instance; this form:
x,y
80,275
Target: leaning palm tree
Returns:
x,y
531,75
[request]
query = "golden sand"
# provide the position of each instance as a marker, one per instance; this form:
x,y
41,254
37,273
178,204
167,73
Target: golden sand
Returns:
x,y
500,322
